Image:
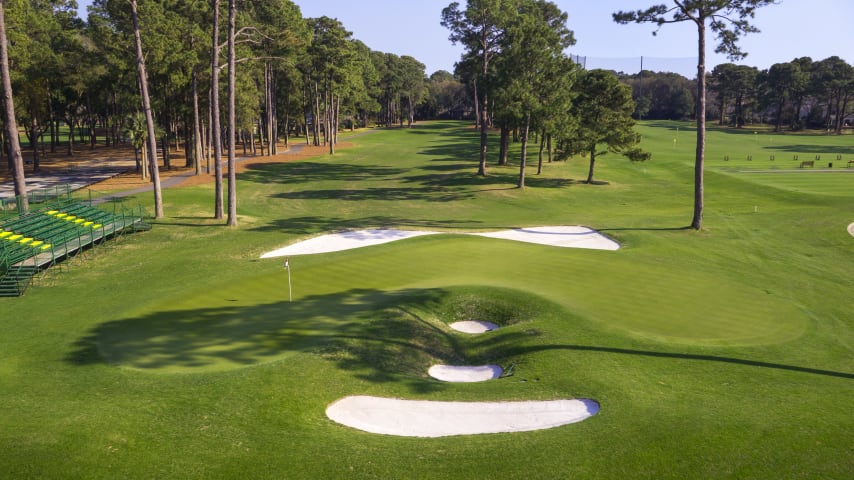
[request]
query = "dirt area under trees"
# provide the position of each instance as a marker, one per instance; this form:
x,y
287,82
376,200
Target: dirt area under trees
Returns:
x,y
120,165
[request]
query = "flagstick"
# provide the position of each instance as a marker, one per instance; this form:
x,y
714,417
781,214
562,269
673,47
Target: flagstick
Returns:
x,y
290,291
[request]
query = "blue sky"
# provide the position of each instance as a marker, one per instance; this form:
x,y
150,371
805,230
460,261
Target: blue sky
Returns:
x,y
791,29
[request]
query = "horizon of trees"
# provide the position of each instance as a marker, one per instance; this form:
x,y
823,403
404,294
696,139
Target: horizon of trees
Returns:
x,y
796,95
308,77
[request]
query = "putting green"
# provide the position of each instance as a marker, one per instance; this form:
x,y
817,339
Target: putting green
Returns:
x,y
396,332
379,304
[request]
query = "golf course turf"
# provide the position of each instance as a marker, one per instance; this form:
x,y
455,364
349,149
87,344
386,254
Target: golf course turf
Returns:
x,y
723,353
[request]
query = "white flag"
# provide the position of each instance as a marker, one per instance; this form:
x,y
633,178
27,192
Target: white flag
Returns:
x,y
287,266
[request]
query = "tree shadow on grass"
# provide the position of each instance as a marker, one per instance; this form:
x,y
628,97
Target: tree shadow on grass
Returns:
x,y
521,350
307,172
424,193
320,224
374,335
644,229
830,151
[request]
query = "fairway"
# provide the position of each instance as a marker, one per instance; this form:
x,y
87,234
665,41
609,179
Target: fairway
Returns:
x,y
723,353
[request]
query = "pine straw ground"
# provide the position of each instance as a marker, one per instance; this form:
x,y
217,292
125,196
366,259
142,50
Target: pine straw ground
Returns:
x,y
123,157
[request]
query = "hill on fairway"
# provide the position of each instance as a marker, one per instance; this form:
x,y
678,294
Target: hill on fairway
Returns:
x,y
724,353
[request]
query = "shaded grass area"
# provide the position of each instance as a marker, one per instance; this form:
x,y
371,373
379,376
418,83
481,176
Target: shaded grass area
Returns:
x,y
725,353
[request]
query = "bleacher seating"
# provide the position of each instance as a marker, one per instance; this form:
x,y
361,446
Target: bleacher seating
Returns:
x,y
36,240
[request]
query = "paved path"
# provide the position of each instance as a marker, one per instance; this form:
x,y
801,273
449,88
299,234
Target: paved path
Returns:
x,y
77,177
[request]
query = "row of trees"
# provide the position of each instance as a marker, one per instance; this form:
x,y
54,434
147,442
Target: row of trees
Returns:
x,y
282,75
794,95
799,94
515,64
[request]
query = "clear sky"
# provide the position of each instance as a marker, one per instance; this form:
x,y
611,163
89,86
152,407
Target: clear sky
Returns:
x,y
791,29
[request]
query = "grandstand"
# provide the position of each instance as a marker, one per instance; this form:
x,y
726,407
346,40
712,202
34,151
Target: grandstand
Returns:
x,y
57,227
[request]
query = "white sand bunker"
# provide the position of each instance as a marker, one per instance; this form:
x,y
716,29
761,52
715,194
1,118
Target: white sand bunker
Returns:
x,y
473,326
345,241
465,374
419,418
851,229
565,236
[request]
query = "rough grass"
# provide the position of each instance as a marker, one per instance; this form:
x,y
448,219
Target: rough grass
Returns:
x,y
175,353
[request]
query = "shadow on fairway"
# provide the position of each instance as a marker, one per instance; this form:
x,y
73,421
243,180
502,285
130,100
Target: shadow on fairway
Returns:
x,y
679,356
829,151
308,172
645,229
426,194
318,224
377,336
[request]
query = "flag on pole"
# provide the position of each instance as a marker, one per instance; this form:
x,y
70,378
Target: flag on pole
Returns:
x,y
287,267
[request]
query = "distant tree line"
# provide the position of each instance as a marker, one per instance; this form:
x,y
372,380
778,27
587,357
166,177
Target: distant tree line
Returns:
x,y
794,95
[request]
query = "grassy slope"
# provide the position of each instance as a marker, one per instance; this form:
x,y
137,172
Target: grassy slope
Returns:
x,y
723,353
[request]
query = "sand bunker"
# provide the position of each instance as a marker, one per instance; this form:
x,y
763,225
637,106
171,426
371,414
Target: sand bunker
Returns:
x,y
851,229
473,326
464,374
419,418
560,236
566,236
344,241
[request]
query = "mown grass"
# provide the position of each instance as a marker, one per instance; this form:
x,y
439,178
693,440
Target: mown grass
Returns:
x,y
725,353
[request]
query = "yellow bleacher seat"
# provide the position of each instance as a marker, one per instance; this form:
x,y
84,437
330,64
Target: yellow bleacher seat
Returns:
x,y
5,234
25,241
14,237
52,212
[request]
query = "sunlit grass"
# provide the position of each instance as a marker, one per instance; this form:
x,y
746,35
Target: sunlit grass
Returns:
x,y
714,354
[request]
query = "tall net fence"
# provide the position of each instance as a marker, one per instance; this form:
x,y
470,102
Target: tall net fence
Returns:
x,y
685,66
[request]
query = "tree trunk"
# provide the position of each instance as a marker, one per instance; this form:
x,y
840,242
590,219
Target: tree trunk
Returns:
x,y
549,147
841,120
70,123
287,130
524,157
840,115
167,162
197,130
540,159
316,123
592,164
216,128
54,132
503,144
476,106
697,220
796,113
91,120
484,117
149,118
9,120
232,174
143,168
